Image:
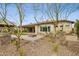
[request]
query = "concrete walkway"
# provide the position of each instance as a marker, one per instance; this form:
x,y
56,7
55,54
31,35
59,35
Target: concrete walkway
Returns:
x,y
29,38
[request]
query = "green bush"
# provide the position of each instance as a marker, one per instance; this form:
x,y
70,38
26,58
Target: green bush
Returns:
x,y
77,28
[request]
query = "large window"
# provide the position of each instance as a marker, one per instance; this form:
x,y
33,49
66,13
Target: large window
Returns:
x,y
45,28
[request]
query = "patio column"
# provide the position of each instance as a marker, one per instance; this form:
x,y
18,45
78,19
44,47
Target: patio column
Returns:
x,y
36,29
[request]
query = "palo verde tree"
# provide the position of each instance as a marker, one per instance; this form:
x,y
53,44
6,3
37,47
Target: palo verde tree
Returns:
x,y
3,14
54,12
59,11
36,10
21,17
20,12
39,14
77,28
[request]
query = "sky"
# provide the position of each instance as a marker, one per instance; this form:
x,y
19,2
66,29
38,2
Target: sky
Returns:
x,y
12,13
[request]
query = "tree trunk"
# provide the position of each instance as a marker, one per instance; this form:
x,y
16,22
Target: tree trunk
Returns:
x,y
18,43
55,29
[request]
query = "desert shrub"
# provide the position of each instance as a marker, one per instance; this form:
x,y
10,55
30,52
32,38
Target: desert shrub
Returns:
x,y
56,47
77,28
13,42
21,51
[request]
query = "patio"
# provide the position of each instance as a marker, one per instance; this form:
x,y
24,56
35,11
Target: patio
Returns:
x,y
29,37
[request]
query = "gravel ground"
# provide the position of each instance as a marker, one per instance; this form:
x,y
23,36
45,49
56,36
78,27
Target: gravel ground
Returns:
x,y
41,47
44,47
71,37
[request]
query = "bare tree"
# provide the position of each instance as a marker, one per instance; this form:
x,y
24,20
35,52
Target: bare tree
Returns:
x,y
36,9
58,11
21,17
39,9
3,14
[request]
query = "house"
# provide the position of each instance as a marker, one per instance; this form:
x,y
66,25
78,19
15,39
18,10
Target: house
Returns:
x,y
48,26
4,25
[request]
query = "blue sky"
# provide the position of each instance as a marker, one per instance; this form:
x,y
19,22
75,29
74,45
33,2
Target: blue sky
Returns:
x,y
12,13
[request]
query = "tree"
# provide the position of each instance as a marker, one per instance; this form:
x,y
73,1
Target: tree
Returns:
x,y
77,28
3,14
54,12
21,17
59,12
36,9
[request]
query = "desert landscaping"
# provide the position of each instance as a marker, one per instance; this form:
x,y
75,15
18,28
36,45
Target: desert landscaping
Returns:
x,y
39,29
44,46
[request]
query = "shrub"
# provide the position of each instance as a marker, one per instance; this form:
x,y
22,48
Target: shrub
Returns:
x,y
77,28
21,51
13,42
56,47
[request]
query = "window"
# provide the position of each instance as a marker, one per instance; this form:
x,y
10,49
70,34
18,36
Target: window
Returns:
x,y
48,28
45,28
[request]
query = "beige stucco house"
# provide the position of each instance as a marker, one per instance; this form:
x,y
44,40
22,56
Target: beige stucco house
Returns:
x,y
48,26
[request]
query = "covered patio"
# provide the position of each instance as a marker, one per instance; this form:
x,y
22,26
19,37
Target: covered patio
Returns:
x,y
31,29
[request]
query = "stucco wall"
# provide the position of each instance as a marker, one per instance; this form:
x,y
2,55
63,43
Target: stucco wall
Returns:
x,y
37,28
66,28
